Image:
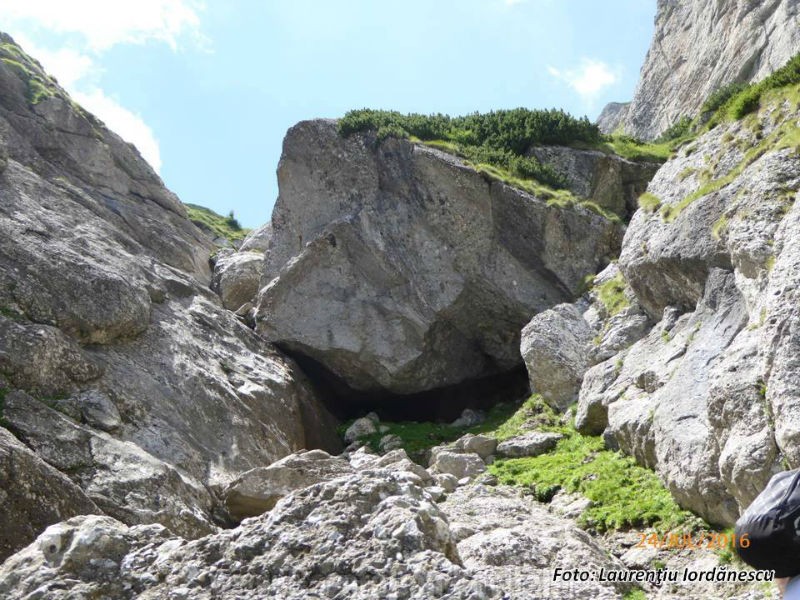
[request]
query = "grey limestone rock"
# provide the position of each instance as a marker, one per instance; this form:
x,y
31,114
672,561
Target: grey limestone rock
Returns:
x,y
706,396
555,346
532,443
124,370
456,463
236,278
611,181
33,495
258,490
401,269
699,47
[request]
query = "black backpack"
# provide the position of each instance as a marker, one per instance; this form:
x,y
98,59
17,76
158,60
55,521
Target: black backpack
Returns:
x,y
772,527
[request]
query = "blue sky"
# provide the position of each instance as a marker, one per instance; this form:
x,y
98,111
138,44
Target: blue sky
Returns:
x,y
207,89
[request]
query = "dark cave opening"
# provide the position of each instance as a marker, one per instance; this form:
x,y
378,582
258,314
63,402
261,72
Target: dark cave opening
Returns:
x,y
437,405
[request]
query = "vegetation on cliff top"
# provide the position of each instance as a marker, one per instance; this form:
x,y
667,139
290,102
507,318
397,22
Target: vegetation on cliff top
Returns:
x,y
40,85
215,224
499,138
496,144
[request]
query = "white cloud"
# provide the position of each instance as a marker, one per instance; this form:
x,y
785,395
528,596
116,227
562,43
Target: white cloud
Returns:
x,y
88,28
589,79
104,23
123,122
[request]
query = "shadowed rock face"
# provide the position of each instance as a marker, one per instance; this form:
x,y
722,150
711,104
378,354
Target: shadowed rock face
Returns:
x,y
118,366
400,269
697,48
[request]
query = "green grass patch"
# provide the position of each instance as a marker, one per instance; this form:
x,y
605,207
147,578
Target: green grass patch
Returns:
x,y
418,437
719,227
39,84
612,294
215,224
623,494
649,202
534,413
633,149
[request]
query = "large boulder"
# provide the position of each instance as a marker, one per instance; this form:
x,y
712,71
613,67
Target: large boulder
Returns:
x,y
258,490
515,544
374,534
400,269
33,495
236,278
555,347
532,443
699,47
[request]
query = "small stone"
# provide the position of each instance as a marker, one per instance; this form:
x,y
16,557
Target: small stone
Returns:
x,y
390,442
469,418
459,465
447,481
528,444
437,492
360,428
99,411
482,445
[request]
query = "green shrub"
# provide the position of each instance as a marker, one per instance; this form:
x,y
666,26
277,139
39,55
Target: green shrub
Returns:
x,y
678,130
745,99
649,202
745,102
232,222
500,138
721,96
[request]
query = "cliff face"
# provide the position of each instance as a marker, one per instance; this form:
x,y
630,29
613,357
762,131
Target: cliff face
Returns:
x,y
694,371
132,390
698,47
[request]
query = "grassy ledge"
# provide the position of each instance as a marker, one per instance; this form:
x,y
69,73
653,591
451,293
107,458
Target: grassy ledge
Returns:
x,y
611,294
787,135
215,224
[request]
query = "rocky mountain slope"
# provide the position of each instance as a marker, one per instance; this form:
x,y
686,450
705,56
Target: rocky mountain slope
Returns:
x,y
699,47
164,405
134,392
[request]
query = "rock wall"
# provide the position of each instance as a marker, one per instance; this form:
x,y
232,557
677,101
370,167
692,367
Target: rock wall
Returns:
x,y
698,47
118,366
401,269
697,376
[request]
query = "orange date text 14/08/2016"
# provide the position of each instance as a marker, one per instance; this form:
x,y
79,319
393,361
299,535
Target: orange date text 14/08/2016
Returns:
x,y
694,541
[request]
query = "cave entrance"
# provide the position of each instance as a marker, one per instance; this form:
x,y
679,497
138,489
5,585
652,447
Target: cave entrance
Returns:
x,y
441,405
